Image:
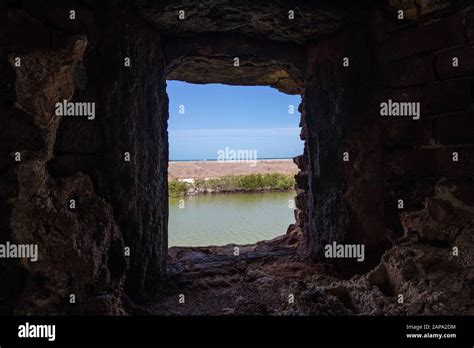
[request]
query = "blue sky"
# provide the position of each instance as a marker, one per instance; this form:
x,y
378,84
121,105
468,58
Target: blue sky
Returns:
x,y
238,117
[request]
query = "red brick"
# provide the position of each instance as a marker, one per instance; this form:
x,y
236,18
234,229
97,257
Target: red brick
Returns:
x,y
301,162
429,162
455,129
301,200
303,116
435,98
407,133
444,63
304,133
425,37
301,180
470,25
408,72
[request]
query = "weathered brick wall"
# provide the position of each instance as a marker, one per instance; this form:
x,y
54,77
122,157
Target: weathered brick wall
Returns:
x,y
391,158
416,64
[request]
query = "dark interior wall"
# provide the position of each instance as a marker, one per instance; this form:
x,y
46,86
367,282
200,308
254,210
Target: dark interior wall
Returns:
x,y
415,63
73,245
344,197
417,154
119,204
389,158
132,109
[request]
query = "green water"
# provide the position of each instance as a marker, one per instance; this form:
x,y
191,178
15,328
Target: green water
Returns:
x,y
219,219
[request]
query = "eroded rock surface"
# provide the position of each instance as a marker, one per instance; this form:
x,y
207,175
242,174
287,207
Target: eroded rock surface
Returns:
x,y
264,19
74,245
432,277
81,249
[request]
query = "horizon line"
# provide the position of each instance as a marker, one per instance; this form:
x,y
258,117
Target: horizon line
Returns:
x,y
215,159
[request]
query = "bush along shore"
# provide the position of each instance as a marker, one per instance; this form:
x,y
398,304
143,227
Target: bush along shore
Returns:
x,y
232,183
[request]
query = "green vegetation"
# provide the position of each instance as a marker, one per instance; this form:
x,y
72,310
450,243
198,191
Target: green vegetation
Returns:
x,y
251,182
232,183
177,188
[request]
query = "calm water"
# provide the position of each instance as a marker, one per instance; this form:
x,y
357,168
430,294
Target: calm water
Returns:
x,y
221,219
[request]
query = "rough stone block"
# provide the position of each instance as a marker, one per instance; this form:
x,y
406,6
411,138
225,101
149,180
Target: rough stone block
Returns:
x,y
415,9
301,218
465,57
455,129
435,98
427,37
301,162
470,25
304,133
301,180
429,162
407,133
301,200
408,72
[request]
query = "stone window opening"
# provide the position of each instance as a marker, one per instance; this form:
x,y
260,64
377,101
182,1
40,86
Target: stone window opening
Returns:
x,y
289,236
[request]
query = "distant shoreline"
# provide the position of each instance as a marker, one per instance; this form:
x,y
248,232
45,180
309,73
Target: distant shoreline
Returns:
x,y
215,160
192,170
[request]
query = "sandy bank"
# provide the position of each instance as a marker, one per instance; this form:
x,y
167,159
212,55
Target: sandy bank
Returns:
x,y
214,169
